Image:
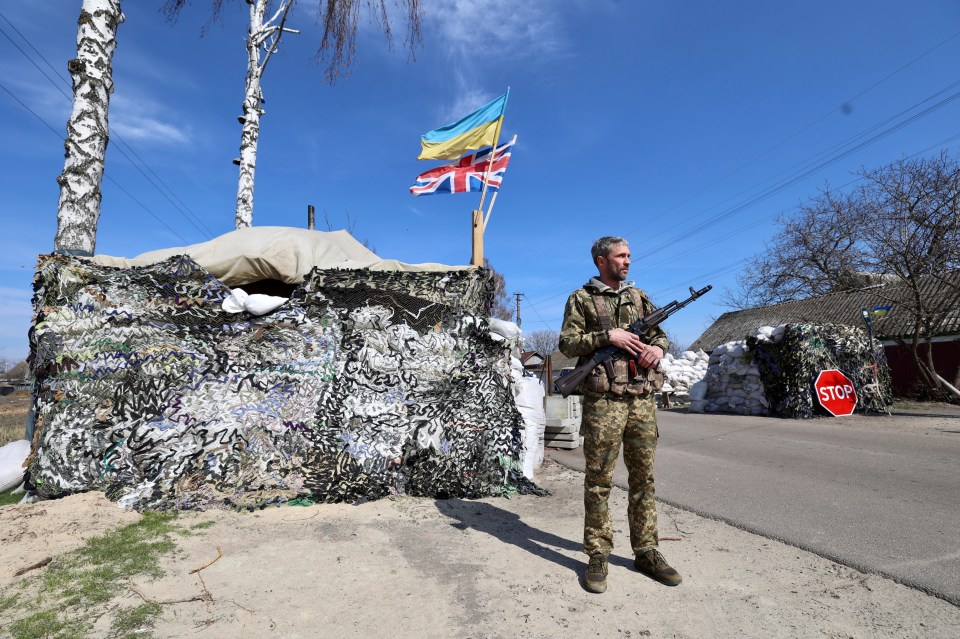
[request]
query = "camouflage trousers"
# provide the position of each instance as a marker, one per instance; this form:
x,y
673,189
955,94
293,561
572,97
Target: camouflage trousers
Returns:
x,y
608,422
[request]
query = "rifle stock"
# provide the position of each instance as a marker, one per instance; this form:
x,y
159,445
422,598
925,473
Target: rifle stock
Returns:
x,y
569,382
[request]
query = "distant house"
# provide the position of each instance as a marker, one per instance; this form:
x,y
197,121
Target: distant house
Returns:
x,y
532,361
892,329
558,364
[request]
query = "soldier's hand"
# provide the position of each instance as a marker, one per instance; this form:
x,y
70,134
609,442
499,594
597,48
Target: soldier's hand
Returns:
x,y
649,356
626,340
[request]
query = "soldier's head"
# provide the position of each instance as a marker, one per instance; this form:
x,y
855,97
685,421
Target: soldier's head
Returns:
x,y
612,257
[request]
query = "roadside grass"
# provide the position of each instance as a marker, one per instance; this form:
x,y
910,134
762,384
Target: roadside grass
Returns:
x,y
13,416
12,427
72,594
7,497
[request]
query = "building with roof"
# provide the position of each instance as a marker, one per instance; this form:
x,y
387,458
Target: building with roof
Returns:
x,y
939,298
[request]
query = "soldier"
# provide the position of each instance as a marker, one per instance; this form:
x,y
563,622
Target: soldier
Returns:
x,y
618,406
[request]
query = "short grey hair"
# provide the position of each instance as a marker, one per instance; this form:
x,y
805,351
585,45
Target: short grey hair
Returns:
x,y
603,246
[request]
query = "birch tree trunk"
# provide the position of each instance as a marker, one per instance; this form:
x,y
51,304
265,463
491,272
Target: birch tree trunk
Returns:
x,y
266,36
87,130
251,117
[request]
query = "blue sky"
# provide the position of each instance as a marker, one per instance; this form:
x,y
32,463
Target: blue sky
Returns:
x,y
686,127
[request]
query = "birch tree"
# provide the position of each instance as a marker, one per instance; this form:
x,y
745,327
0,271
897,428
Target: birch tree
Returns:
x,y
340,19
544,341
263,35
85,146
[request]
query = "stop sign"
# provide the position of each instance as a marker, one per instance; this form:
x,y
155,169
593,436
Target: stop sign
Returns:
x,y
835,392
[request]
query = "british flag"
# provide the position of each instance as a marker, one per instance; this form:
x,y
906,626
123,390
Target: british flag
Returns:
x,y
466,174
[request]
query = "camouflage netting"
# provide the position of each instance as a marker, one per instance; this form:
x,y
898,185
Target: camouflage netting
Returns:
x,y
790,365
364,384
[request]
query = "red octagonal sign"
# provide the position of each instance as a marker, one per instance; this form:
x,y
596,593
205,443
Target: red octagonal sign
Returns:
x,y
836,393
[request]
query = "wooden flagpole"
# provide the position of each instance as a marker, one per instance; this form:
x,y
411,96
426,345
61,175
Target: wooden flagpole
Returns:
x,y
478,222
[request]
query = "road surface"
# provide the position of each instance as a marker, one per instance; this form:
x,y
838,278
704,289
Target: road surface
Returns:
x,y
880,494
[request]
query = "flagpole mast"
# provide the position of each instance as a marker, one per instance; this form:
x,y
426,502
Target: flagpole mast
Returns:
x,y
493,153
478,222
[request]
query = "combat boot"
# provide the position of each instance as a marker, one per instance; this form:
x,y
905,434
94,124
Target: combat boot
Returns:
x,y
653,565
595,578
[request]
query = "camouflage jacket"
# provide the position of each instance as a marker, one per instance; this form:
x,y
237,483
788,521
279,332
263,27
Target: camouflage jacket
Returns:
x,y
581,333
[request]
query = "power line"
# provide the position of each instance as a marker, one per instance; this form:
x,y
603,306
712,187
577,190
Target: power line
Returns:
x,y
146,208
808,167
114,182
812,169
52,68
800,131
23,104
674,287
184,210
535,311
813,123
729,267
27,56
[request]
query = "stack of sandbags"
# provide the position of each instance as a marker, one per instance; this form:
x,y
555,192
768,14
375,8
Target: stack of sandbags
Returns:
x,y
791,358
733,383
507,332
530,403
684,371
528,394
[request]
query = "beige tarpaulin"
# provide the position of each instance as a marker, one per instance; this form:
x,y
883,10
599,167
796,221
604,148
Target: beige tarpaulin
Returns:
x,y
274,252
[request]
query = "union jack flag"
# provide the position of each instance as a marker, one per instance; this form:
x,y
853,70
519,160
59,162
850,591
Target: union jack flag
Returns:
x,y
466,174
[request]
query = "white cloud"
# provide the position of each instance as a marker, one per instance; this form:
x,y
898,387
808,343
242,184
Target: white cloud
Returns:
x,y
494,31
142,120
498,28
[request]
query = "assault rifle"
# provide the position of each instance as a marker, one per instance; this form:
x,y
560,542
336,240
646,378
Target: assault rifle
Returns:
x,y
569,382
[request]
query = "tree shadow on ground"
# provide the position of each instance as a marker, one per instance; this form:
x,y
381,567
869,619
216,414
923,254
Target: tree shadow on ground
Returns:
x,y
510,529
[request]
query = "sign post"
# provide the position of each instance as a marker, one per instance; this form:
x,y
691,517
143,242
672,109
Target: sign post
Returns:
x,y
835,392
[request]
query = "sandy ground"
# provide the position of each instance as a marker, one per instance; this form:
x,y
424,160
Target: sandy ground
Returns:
x,y
413,567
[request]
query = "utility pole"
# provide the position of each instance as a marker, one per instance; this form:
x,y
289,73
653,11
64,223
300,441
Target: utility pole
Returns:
x,y
518,308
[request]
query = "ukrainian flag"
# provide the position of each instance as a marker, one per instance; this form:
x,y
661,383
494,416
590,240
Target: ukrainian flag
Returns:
x,y
474,131
880,311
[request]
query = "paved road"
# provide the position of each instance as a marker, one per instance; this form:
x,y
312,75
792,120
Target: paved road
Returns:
x,y
880,494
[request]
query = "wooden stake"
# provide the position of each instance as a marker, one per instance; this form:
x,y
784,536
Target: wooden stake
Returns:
x,y
477,237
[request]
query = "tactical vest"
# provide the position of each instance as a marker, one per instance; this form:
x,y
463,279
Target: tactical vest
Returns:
x,y
620,375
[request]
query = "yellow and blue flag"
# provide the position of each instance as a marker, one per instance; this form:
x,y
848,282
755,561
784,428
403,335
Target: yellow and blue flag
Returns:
x,y
880,311
474,131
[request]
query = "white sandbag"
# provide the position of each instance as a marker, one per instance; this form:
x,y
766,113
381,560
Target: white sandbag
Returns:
x,y
530,404
531,394
234,302
532,450
504,328
698,391
12,457
239,300
258,304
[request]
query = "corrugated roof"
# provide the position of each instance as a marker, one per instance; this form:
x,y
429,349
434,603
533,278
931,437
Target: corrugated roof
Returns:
x,y
844,308
558,360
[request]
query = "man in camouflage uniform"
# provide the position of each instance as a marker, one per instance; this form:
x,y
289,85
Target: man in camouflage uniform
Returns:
x,y
618,406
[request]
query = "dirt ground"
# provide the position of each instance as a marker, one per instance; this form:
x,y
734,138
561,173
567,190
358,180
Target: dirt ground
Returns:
x,y
496,567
